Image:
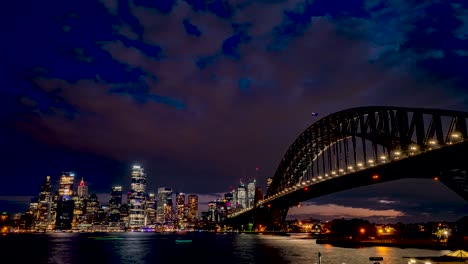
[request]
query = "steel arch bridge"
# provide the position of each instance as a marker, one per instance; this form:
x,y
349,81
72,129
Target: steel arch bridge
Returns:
x,y
363,146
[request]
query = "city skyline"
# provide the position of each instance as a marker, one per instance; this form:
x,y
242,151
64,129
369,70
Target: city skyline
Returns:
x,y
202,93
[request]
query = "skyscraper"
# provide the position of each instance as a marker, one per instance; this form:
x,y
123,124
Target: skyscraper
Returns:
x,y
164,205
150,209
66,184
180,204
137,198
192,212
82,189
241,196
115,202
43,219
65,203
251,193
80,200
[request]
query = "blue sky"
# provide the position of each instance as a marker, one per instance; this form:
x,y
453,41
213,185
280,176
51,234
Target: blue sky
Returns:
x,y
202,92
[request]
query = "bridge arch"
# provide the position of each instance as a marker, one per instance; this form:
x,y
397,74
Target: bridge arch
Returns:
x,y
362,137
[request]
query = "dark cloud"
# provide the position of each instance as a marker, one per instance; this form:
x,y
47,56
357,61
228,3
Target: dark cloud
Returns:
x,y
202,92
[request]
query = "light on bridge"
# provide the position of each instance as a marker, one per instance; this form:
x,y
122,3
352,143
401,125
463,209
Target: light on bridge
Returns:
x,y
341,170
333,173
375,176
360,165
269,205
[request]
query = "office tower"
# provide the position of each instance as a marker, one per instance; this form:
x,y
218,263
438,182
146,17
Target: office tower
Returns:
x,y
235,201
53,209
212,211
34,206
80,199
66,184
164,205
180,207
221,211
150,209
251,193
241,196
65,203
192,212
115,202
42,219
92,208
82,189
102,215
124,214
137,198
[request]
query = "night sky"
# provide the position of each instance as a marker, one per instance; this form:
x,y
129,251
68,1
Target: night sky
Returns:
x,y
200,92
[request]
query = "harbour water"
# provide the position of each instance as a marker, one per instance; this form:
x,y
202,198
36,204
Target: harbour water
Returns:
x,y
136,248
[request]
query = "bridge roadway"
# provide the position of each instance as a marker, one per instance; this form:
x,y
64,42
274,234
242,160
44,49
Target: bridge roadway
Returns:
x,y
448,164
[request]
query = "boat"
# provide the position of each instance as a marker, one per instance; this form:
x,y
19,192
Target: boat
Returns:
x,y
300,235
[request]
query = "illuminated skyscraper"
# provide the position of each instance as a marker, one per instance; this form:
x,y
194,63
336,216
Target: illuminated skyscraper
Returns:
x,y
164,205
150,209
137,198
43,219
80,199
251,193
180,204
241,196
65,203
66,184
115,202
192,212
82,189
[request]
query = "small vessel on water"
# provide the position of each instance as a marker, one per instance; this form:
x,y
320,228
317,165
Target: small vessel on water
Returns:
x,y
300,235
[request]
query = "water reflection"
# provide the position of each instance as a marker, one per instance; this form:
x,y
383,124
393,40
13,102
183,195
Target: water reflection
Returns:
x,y
137,248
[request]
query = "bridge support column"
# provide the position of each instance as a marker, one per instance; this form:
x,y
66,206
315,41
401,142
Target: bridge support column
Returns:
x,y
275,218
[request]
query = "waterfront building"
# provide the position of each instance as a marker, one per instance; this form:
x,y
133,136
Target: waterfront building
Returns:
x,y
115,202
65,203
124,215
180,207
192,208
34,207
251,193
164,205
150,209
137,198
